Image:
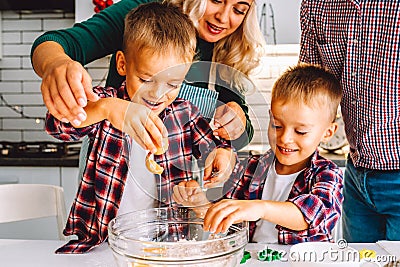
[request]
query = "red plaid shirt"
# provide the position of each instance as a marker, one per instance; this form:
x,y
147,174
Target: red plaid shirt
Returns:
x,y
102,184
317,192
360,42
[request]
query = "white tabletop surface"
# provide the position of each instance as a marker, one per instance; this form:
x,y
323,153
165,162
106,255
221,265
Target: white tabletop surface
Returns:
x,y
15,252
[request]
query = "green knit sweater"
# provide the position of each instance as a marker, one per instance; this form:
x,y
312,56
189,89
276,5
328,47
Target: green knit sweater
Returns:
x,y
102,35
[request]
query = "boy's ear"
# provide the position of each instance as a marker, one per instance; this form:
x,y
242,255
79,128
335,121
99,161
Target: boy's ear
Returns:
x,y
330,131
121,63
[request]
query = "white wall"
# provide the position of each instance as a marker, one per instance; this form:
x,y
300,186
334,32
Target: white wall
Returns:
x,y
84,10
286,17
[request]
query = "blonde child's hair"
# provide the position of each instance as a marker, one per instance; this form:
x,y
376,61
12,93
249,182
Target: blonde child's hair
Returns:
x,y
309,84
162,28
237,54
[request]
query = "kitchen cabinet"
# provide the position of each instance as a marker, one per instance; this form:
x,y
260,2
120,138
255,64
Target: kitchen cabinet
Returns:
x,y
44,228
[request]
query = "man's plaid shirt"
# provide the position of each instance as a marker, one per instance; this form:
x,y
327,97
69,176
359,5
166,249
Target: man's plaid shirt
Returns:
x,y
359,41
102,184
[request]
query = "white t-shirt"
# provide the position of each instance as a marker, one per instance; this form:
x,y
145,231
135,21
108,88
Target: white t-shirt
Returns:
x,y
277,187
140,188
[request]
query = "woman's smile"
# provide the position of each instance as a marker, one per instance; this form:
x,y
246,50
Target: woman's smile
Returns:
x,y
222,18
214,29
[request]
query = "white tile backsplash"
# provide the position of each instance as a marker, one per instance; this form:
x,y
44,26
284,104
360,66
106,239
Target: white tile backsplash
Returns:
x,y
22,124
10,63
26,99
19,84
52,24
12,25
8,15
36,111
40,15
41,135
11,136
8,113
11,37
16,49
18,75
31,87
10,87
29,37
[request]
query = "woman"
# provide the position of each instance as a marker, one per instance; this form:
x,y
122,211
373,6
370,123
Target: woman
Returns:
x,y
228,34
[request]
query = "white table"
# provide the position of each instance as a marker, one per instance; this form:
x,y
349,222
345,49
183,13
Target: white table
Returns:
x,y
15,253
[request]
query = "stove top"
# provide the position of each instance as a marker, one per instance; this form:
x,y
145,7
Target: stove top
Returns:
x,y
38,149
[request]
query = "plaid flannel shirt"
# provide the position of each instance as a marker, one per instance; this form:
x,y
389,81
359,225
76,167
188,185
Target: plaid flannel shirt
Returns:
x,y
317,192
359,41
102,184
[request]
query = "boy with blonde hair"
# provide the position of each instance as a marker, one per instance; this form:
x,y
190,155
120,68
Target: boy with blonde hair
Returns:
x,y
159,46
290,194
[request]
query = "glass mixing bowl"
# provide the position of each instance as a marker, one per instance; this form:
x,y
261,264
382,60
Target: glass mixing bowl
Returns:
x,y
173,237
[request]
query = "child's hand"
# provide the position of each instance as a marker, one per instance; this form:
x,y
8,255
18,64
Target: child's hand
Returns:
x,y
139,122
224,213
230,121
219,166
189,194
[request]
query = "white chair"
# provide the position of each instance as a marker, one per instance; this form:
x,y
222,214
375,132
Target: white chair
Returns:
x,y
337,231
20,202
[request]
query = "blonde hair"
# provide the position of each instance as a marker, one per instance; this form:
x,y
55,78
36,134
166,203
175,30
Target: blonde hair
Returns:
x,y
162,28
308,83
241,50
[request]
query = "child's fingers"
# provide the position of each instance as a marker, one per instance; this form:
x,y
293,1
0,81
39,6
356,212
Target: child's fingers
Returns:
x,y
209,166
226,223
156,130
133,130
216,179
177,196
138,140
143,138
215,214
207,172
198,197
221,171
192,188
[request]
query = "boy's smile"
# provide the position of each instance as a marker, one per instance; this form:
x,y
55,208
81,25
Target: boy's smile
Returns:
x,y
153,79
286,151
152,105
295,131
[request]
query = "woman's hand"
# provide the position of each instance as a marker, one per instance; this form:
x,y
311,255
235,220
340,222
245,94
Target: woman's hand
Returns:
x,y
219,166
66,86
230,121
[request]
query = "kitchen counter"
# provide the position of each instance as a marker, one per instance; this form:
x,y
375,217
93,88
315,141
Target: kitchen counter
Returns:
x,y
14,252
